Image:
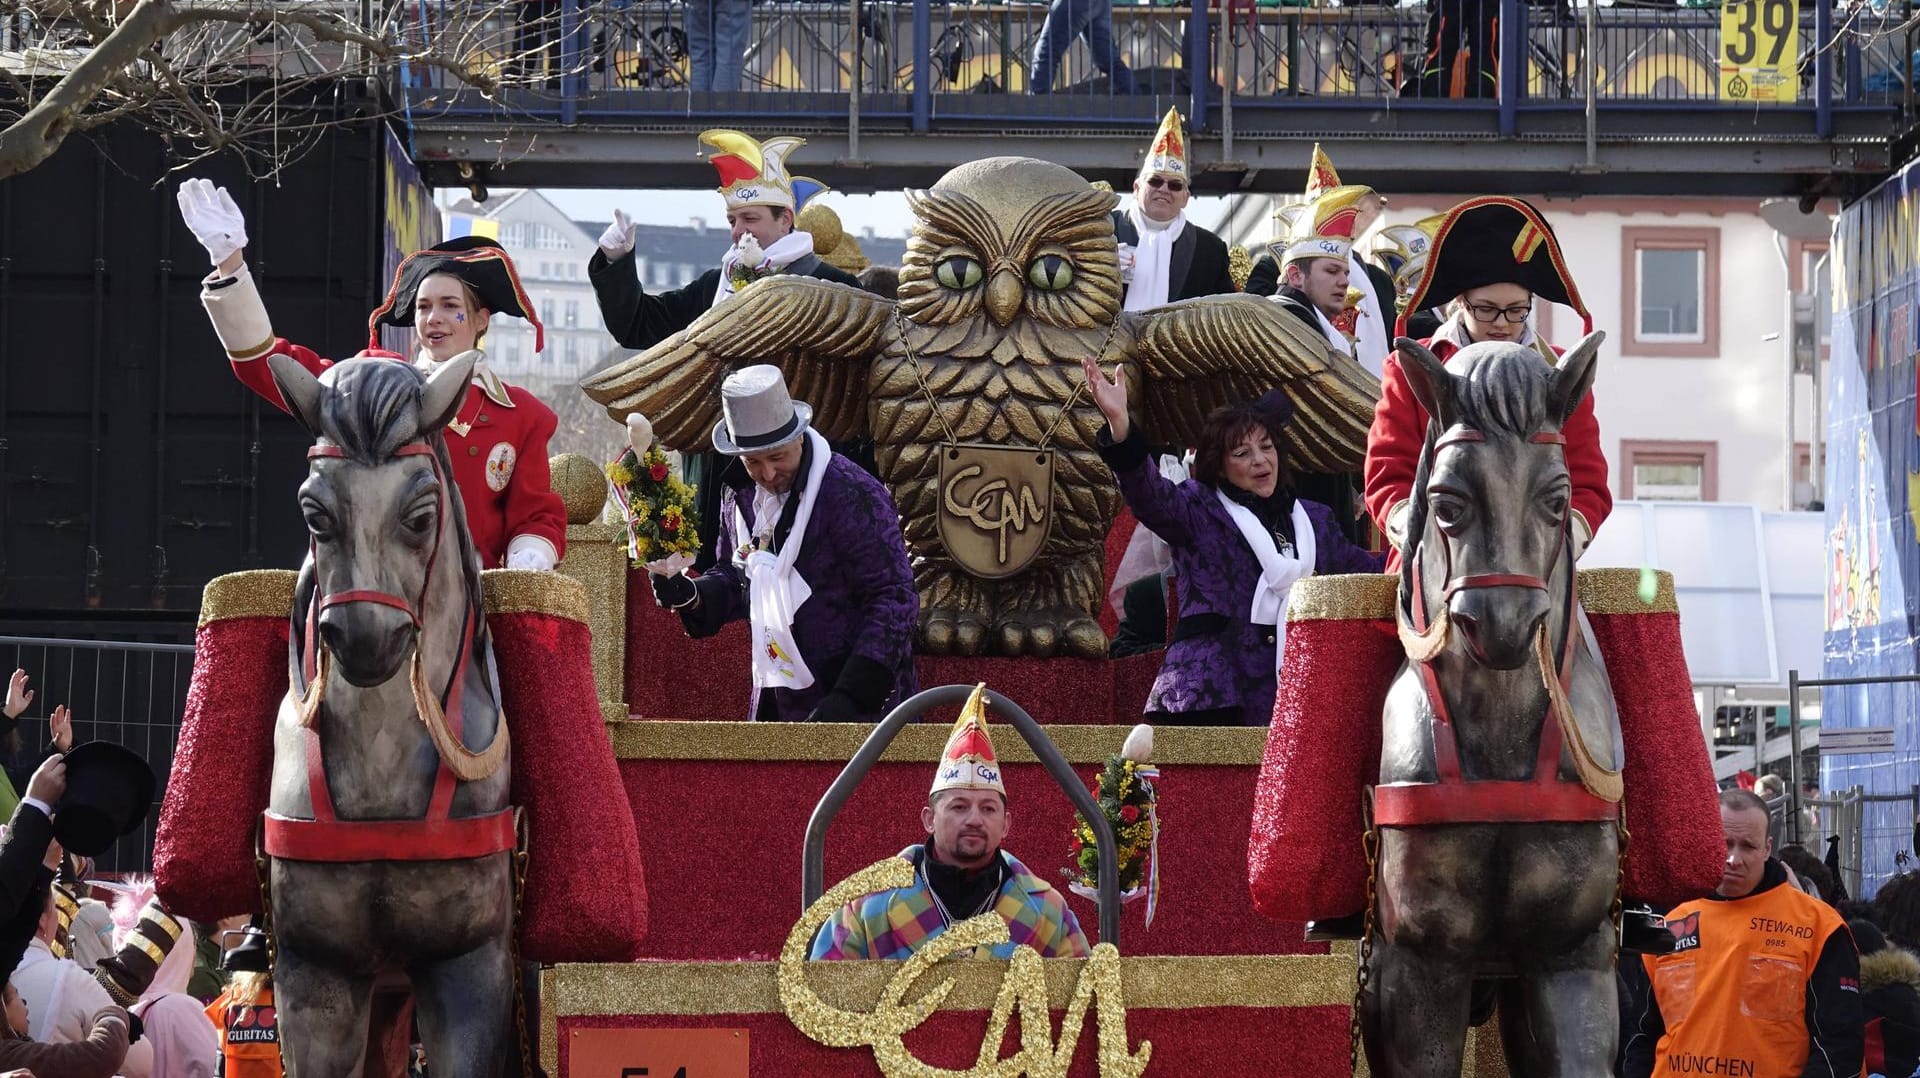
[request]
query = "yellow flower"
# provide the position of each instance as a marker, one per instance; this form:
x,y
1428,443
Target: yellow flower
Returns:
x,y
642,549
641,509
619,473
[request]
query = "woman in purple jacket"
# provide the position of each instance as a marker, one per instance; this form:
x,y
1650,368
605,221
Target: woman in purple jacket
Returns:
x,y
1239,539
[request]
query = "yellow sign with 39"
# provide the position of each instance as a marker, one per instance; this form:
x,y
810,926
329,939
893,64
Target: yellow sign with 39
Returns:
x,y
1760,51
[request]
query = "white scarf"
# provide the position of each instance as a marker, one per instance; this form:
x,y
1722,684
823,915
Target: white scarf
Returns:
x,y
785,251
775,591
1277,571
1371,342
1152,259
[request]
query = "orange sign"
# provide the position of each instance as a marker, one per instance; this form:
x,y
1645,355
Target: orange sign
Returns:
x,y
657,1053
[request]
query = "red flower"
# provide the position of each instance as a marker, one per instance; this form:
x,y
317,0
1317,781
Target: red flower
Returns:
x,y
1075,847
1129,813
670,522
658,472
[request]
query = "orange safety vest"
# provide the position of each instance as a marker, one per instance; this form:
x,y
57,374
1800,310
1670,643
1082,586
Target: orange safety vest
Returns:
x,y
249,1036
1734,996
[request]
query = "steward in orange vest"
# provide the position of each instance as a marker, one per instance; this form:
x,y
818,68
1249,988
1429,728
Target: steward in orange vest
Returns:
x,y
1764,986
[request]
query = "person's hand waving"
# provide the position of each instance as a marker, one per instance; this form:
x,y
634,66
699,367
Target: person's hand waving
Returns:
x,y
60,725
216,221
18,695
49,782
1110,396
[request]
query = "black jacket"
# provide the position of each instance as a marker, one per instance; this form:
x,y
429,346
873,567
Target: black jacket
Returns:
x,y
1890,995
638,319
24,880
1199,265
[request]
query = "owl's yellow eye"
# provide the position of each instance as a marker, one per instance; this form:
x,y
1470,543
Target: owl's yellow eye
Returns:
x,y
958,272
1050,272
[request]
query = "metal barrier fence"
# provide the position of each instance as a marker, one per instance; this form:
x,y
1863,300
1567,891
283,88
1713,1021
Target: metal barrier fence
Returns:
x,y
1863,822
925,60
126,692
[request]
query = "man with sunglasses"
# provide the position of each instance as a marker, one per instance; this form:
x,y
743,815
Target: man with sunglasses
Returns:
x,y
1163,256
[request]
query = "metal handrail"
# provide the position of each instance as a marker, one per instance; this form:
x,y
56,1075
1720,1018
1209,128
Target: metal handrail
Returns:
x,y
813,854
95,645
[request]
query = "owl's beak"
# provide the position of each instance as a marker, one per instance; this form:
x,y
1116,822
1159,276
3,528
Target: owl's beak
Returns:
x,y
1003,297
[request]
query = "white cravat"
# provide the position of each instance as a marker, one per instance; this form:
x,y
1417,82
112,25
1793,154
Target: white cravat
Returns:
x,y
775,590
1370,339
785,251
1278,572
1152,259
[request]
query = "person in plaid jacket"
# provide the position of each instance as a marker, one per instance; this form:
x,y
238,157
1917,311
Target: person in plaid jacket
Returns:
x,y
960,871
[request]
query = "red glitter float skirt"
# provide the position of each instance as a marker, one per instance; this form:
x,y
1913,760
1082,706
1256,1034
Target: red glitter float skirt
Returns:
x,y
584,899
1305,860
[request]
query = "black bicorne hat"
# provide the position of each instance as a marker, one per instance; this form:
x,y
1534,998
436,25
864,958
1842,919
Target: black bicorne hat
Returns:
x,y
109,793
479,261
1494,239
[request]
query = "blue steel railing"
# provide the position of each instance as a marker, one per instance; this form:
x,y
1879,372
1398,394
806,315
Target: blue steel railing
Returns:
x,y
922,64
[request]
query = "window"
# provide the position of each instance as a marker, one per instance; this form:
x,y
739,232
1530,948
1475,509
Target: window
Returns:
x,y
573,315
573,271
1812,273
686,273
1670,289
573,351
546,312
515,235
1670,471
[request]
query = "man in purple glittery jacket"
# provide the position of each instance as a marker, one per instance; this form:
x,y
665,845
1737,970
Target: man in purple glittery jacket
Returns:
x,y
1239,540
810,554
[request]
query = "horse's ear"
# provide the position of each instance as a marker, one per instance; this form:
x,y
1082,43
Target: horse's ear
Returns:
x,y
446,391
1427,377
1573,376
299,388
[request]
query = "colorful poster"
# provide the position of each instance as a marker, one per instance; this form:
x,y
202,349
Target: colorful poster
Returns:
x,y
1873,500
409,222
1760,50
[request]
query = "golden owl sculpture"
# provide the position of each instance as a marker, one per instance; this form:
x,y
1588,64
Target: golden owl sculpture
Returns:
x,y
970,387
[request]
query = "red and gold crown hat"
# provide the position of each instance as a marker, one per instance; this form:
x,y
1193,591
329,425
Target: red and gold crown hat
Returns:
x,y
1330,225
1167,157
754,173
1495,239
969,762
1402,250
1321,177
481,262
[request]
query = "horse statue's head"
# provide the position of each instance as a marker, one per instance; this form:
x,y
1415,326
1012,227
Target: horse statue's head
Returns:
x,y
388,530
1489,527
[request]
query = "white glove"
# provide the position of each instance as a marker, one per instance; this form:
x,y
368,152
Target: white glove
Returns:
x,y
529,558
213,219
1127,259
617,241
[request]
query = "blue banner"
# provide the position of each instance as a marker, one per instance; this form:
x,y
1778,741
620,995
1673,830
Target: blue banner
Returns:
x,y
410,222
1873,497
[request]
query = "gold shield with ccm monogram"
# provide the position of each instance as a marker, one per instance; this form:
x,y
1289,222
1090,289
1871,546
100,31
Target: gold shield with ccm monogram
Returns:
x,y
996,506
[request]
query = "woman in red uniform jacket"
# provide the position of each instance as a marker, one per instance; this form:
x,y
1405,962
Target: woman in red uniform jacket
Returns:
x,y
1493,256
446,294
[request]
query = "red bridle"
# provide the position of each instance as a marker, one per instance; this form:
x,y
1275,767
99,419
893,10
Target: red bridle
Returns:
x,y
1458,584
415,448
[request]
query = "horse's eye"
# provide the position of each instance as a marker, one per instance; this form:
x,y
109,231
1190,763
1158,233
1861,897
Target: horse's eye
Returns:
x,y
420,523
1449,510
319,521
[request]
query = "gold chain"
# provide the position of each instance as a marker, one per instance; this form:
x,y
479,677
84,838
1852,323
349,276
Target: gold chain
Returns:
x,y
1363,971
920,375
1619,882
520,855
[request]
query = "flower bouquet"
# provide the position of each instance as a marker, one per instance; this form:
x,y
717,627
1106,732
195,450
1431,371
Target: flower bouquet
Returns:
x,y
1130,803
662,533
749,264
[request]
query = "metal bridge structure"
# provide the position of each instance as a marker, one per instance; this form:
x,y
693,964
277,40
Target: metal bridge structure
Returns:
x,y
1620,99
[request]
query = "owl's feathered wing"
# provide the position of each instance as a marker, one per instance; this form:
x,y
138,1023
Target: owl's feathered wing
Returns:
x,y
1200,354
823,336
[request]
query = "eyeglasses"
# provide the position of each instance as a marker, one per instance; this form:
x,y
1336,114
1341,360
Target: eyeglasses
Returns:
x,y
1176,186
1487,312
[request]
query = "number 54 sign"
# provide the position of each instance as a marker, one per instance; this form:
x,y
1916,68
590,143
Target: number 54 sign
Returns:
x,y
1759,50
657,1053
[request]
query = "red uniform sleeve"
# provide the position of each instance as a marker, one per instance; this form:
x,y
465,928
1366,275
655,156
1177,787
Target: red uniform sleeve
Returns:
x,y
257,376
1586,465
532,508
1393,443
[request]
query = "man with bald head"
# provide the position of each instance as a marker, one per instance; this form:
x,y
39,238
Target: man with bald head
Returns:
x,y
1764,982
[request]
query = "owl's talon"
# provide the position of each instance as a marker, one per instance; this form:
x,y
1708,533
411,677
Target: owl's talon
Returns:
x,y
1084,639
1013,637
971,637
1041,641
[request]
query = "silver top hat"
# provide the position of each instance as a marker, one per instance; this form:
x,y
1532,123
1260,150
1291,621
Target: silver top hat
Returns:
x,y
756,413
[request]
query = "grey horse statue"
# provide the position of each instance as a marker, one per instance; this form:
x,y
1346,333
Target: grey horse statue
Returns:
x,y
391,842
1497,815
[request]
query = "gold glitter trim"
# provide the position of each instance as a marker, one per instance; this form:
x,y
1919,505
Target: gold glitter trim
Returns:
x,y
1617,591
613,711
246,355
528,591
920,742
1344,597
597,558
1160,982
147,947
256,593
